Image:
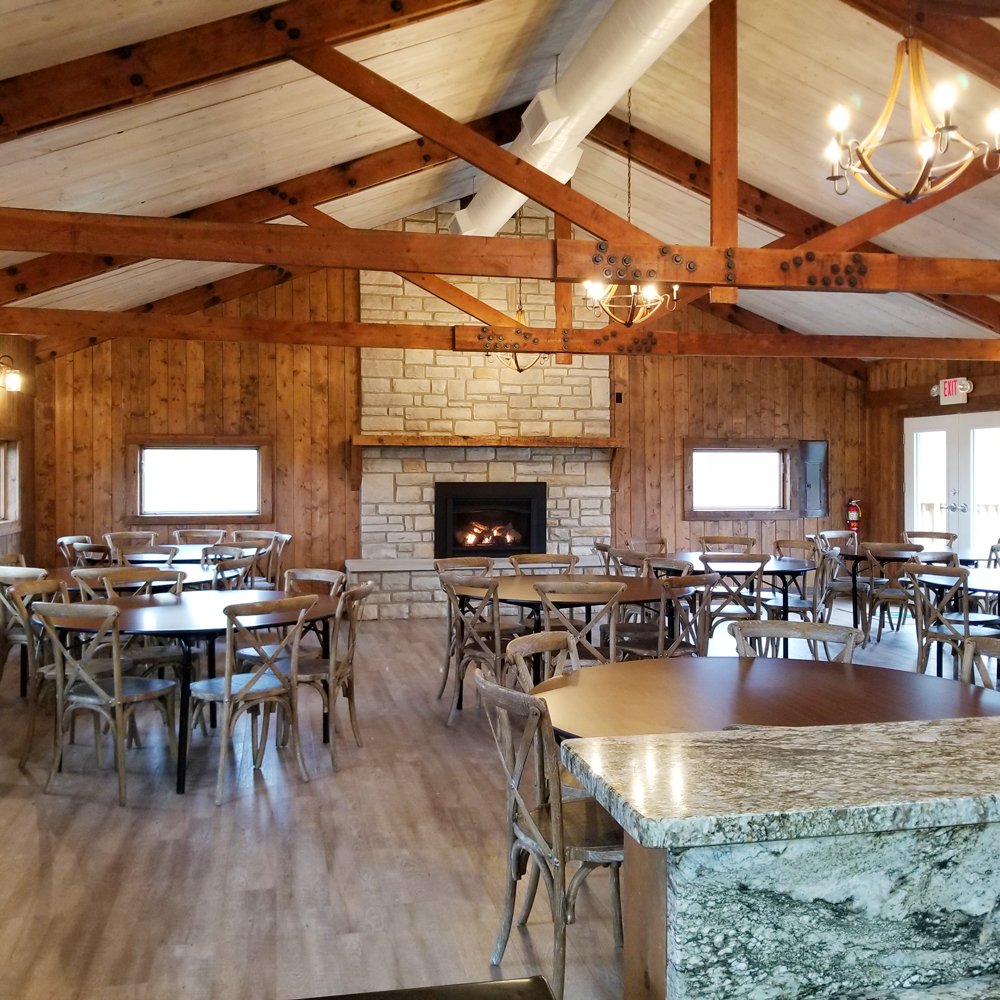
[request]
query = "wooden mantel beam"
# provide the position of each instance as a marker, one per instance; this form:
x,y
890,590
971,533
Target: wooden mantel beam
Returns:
x,y
133,73
53,329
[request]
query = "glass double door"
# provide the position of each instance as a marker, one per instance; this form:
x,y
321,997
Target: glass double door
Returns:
x,y
952,476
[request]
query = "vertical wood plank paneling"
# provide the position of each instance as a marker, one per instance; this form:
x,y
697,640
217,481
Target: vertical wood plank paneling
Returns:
x,y
83,440
103,423
44,464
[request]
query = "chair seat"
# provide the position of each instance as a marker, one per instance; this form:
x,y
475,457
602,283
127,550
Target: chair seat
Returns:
x,y
975,618
975,631
174,653
795,603
647,647
133,689
587,826
214,688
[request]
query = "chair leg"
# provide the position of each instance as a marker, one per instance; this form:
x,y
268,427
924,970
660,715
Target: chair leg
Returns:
x,y
353,712
119,734
261,744
614,873
326,710
459,681
510,897
559,942
168,707
227,713
57,744
29,736
293,724
98,739
450,647
529,896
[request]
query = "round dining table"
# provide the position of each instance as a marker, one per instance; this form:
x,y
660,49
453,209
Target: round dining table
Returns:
x,y
199,616
194,576
520,590
185,554
690,694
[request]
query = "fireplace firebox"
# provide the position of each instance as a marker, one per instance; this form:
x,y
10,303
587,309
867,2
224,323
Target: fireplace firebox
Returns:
x,y
494,519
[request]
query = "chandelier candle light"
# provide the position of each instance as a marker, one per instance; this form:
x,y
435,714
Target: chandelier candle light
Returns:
x,y
932,141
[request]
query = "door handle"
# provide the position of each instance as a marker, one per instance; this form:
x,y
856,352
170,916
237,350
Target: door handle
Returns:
x,y
963,508
950,506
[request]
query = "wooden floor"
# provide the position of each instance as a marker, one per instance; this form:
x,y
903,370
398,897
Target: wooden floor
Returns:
x,y
386,874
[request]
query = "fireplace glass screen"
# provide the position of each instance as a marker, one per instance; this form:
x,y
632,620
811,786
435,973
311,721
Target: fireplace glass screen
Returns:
x,y
495,519
490,526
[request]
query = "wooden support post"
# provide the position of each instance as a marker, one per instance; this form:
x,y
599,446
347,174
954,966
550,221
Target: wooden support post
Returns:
x,y
725,131
564,291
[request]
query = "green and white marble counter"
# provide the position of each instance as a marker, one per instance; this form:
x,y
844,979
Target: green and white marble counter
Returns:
x,y
842,861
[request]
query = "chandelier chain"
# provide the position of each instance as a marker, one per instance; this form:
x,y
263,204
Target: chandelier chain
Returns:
x,y
629,158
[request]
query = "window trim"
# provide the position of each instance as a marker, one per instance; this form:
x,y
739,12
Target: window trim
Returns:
x,y
10,489
791,490
264,445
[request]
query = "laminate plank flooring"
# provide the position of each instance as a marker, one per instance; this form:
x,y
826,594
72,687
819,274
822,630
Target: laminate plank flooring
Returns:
x,y
386,874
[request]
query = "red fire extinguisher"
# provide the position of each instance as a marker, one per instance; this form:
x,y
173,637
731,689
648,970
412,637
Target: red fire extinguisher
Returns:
x,y
853,516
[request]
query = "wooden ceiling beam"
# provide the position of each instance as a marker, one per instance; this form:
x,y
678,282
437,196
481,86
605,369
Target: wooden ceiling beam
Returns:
x,y
402,106
54,328
796,223
41,274
724,203
970,43
139,72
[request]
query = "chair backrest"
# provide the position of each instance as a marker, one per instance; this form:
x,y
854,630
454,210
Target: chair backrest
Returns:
x,y
234,574
948,538
939,591
737,594
265,664
297,581
602,599
667,566
555,648
139,580
91,554
523,732
199,536
211,554
21,597
64,546
246,537
749,635
543,563
603,550
685,601
845,541
266,543
726,543
795,548
99,622
879,566
627,562
993,561
277,556
350,615
128,539
13,559
12,576
942,557
973,652
477,616
473,565
128,555
652,545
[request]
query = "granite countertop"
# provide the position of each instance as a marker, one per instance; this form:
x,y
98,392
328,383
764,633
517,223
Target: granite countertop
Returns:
x,y
751,785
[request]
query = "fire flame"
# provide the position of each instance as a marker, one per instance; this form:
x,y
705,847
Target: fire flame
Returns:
x,y
477,534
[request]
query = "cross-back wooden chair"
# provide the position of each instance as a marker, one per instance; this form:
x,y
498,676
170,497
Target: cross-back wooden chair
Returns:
x,y
661,566
976,650
211,554
41,662
12,631
936,539
603,597
845,541
128,554
544,563
13,559
112,699
266,543
477,619
603,550
993,560
200,536
798,548
764,638
542,829
92,554
308,580
233,574
557,652
628,562
737,596
937,592
653,545
271,683
64,546
463,566
726,543
834,580
684,607
885,588
939,557
116,540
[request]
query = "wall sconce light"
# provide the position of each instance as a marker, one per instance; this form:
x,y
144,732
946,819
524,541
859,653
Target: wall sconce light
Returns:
x,y
10,377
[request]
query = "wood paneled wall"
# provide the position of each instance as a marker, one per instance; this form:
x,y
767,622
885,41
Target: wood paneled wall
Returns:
x,y
17,424
306,397
900,389
665,400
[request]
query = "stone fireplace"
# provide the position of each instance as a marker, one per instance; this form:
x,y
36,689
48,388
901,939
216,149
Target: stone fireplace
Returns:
x,y
492,519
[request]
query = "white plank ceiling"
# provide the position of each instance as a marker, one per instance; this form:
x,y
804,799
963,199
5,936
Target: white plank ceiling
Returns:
x,y
210,142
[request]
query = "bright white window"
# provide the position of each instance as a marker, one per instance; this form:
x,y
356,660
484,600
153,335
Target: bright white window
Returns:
x,y
199,481
728,479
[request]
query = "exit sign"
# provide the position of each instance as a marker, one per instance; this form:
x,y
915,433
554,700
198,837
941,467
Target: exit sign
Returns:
x,y
953,390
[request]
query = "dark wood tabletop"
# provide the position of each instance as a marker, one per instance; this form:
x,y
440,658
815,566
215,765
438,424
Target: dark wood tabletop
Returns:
x,y
520,589
775,566
698,694
194,576
986,581
185,554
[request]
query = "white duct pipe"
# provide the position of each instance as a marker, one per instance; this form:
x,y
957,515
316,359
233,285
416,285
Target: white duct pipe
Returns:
x,y
630,38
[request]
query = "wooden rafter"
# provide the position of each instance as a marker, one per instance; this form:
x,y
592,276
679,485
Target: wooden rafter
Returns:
x,y
796,223
54,328
403,107
724,204
970,43
138,72
318,187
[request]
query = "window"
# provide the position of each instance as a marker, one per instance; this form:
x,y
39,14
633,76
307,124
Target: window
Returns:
x,y
754,480
9,488
197,480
